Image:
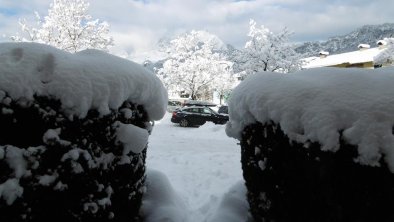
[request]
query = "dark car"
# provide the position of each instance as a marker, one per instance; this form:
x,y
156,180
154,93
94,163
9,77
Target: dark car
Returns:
x,y
197,116
223,109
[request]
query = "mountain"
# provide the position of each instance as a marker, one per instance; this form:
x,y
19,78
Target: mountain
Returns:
x,y
367,34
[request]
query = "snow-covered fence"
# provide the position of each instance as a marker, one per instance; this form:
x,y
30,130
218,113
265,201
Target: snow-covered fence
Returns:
x,y
317,145
73,134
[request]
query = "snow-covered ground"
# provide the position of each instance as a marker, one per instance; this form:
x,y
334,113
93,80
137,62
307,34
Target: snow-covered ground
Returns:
x,y
200,174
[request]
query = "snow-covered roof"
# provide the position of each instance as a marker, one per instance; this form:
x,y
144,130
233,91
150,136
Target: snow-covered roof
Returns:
x,y
381,42
355,57
89,79
363,46
324,53
315,104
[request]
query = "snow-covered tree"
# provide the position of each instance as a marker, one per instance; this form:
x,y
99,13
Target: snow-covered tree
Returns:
x,y
67,26
387,55
224,86
195,64
267,51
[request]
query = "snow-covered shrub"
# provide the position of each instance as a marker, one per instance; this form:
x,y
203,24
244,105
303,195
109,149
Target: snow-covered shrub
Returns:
x,y
317,145
287,181
73,134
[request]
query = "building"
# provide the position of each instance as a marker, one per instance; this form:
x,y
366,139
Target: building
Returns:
x,y
362,58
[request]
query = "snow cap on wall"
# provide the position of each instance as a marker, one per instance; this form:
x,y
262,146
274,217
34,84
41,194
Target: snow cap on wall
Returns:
x,y
90,79
316,104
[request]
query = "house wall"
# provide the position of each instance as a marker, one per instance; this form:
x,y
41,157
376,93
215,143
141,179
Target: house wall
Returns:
x,y
366,65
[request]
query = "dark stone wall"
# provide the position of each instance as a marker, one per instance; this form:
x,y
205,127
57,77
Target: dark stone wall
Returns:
x,y
84,183
290,182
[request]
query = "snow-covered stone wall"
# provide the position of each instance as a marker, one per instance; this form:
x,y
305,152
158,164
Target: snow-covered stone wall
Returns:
x,y
317,145
73,134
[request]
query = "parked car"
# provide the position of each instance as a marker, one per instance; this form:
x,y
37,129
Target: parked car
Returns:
x,y
197,116
223,109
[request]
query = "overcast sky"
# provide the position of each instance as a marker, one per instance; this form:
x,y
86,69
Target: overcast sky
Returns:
x,y
137,25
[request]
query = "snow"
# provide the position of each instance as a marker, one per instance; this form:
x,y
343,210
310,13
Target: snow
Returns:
x,y
161,202
10,190
46,180
267,51
60,186
316,104
196,65
355,57
15,160
386,57
381,42
67,26
233,206
106,201
51,135
363,46
194,175
72,154
83,81
200,177
132,137
324,53
86,80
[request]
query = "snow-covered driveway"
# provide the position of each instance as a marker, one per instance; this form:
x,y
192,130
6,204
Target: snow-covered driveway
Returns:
x,y
202,164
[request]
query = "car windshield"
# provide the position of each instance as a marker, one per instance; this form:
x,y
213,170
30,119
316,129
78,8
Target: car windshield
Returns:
x,y
206,111
174,103
212,111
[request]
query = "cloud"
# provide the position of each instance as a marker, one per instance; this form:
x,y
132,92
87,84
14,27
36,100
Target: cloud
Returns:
x,y
138,25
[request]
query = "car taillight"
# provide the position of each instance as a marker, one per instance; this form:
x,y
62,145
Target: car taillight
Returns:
x,y
173,113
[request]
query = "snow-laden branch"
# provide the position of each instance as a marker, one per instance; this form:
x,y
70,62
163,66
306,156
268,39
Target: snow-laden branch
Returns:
x,y
267,51
196,65
67,26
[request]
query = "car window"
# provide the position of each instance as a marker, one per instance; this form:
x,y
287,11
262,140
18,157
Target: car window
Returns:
x,y
207,111
192,110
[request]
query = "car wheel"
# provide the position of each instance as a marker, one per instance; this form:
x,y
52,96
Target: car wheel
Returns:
x,y
184,123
